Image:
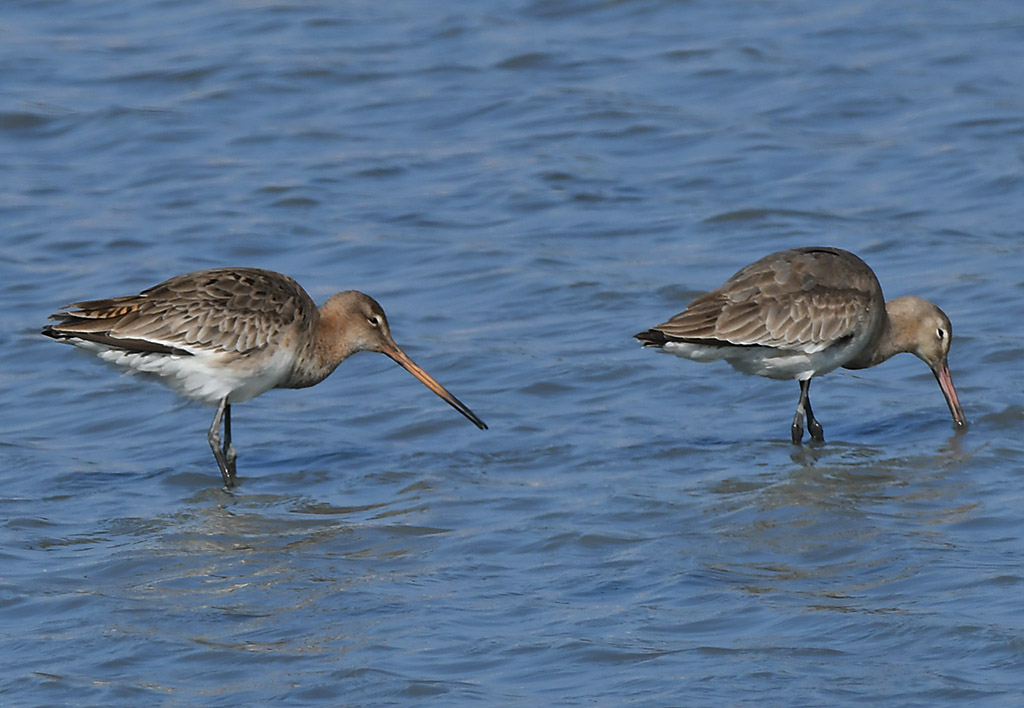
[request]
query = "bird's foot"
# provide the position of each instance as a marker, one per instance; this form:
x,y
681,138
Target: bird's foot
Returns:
x,y
798,430
226,464
817,432
227,476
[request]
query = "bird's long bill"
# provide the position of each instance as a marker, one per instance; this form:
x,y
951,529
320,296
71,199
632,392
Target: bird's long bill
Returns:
x,y
945,380
403,360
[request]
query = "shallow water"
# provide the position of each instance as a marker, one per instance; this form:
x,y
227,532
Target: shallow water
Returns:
x,y
523,186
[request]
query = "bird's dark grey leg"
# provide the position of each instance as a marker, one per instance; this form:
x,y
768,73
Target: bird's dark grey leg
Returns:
x,y
230,454
804,408
218,452
813,426
797,429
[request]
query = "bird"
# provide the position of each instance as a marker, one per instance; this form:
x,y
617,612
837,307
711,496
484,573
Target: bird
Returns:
x,y
226,335
801,313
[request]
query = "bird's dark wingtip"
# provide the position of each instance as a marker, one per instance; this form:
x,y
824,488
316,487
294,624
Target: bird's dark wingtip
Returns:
x,y
651,338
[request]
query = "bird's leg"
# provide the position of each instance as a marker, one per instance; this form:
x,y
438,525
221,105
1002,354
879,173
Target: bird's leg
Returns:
x,y
797,429
804,408
215,445
230,454
813,426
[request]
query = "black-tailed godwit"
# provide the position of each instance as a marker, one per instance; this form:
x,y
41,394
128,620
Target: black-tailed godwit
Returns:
x,y
802,313
226,335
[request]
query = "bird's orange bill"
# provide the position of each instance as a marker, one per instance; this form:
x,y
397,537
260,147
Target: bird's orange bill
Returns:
x,y
945,380
403,360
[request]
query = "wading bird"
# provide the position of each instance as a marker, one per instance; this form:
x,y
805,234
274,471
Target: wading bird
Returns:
x,y
226,335
801,313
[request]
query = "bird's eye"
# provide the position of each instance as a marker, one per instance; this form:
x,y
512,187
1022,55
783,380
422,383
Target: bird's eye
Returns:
x,y
941,333
375,321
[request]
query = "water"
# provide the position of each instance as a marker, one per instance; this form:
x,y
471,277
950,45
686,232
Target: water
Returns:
x,y
523,186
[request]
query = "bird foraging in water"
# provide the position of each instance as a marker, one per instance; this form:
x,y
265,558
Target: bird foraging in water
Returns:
x,y
801,313
226,335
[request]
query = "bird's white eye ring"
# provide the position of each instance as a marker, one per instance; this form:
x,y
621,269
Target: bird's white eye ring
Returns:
x,y
375,320
941,333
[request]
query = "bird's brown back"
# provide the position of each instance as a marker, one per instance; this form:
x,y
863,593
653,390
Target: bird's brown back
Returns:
x,y
804,299
227,310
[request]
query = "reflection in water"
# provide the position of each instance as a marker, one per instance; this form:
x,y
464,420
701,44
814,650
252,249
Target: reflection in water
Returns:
x,y
525,185
826,527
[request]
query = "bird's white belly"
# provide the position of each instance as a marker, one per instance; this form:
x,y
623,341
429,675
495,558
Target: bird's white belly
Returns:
x,y
203,376
765,361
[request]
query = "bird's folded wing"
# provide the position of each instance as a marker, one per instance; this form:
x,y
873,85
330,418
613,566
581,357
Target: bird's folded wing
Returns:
x,y
807,320
225,310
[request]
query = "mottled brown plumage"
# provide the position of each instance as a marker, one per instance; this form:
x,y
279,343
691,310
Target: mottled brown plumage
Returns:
x,y
234,311
226,335
801,313
805,299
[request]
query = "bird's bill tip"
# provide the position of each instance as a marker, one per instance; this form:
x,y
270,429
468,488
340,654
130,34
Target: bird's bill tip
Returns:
x,y
945,380
402,359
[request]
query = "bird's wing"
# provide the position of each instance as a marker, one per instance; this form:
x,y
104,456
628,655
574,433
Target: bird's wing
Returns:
x,y
804,300
231,310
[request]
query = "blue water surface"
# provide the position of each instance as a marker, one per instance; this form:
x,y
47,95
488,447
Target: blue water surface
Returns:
x,y
523,186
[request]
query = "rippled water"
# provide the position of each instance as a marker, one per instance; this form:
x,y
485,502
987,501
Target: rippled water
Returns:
x,y
523,186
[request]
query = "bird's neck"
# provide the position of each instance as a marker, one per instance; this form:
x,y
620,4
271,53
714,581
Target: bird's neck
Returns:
x,y
323,351
892,337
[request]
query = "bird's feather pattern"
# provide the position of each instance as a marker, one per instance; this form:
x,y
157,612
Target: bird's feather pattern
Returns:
x,y
803,300
231,311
